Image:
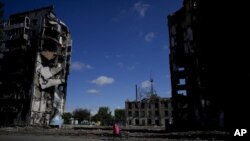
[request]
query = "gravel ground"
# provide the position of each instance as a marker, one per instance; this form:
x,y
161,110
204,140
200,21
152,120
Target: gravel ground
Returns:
x,y
69,134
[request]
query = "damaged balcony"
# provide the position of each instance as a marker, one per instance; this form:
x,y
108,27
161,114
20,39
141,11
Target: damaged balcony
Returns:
x,y
16,29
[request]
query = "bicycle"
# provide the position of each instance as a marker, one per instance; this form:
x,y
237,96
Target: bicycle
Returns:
x,y
121,136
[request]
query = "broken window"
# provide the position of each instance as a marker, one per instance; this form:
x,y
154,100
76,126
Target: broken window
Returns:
x,y
149,121
188,35
149,113
181,69
166,104
182,81
35,22
157,113
182,92
142,113
195,5
143,122
166,113
166,121
129,113
136,105
156,105
157,122
137,122
129,106
136,113
142,105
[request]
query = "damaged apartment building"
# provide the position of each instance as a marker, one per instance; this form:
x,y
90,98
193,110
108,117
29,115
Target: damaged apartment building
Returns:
x,y
208,59
150,110
35,57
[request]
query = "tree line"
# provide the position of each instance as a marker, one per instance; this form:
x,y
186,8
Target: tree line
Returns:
x,y
103,116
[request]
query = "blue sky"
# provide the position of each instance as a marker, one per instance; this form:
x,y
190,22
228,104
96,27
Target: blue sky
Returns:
x,y
116,44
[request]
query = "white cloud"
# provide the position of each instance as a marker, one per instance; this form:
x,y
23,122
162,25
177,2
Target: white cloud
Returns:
x,y
145,84
149,36
78,66
103,80
92,91
141,8
94,110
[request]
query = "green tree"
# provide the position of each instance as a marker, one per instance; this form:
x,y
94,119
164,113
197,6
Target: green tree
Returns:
x,y
104,116
81,114
120,114
66,117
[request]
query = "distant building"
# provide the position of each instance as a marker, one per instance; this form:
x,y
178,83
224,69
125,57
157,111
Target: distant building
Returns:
x,y
73,121
152,111
35,54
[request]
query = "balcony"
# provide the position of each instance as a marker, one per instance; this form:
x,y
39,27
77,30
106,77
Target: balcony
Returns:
x,y
13,26
54,26
15,37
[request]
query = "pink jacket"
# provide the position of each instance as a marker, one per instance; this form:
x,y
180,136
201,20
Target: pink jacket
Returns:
x,y
116,129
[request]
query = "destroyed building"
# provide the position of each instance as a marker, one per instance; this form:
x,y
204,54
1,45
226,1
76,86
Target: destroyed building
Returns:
x,y
148,109
35,55
208,59
154,111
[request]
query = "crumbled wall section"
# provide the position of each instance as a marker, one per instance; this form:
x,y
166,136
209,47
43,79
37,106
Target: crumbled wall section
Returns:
x,y
35,59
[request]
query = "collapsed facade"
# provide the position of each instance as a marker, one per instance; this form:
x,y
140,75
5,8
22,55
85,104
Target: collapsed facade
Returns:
x,y
35,57
207,59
